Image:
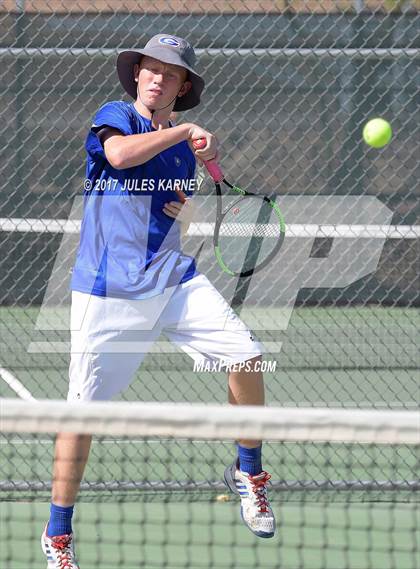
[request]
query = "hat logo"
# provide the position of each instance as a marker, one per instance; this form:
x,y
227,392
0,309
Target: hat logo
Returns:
x,y
169,41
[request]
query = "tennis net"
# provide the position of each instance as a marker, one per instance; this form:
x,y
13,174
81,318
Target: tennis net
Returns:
x,y
344,486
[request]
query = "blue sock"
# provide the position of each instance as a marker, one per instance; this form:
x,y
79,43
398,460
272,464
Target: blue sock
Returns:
x,y
250,459
60,520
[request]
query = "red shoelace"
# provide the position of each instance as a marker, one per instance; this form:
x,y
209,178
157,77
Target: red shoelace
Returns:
x,y
62,544
259,488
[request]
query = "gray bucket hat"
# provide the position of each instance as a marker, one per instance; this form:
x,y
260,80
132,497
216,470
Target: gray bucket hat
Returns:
x,y
169,49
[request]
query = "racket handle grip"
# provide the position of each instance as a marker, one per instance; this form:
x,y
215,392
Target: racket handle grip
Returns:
x,y
212,166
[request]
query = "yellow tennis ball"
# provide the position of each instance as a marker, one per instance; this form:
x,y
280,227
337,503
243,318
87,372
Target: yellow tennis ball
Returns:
x,y
377,133
222,498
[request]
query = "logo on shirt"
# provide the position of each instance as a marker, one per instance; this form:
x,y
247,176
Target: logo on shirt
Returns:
x,y
169,41
177,161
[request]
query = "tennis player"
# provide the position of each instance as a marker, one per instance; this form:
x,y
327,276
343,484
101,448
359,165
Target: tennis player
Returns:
x,y
131,280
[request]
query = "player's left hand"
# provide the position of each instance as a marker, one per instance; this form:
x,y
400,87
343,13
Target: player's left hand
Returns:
x,y
183,210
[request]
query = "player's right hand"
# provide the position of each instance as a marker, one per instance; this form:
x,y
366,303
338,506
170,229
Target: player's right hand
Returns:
x,y
210,150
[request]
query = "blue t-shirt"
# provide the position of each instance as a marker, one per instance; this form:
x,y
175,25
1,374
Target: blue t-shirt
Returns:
x,y
129,248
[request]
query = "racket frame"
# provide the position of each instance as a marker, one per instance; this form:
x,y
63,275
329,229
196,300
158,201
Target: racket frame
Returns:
x,y
216,173
220,215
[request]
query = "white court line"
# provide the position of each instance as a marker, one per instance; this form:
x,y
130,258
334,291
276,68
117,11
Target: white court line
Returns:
x,y
129,347
308,230
204,229
16,385
115,441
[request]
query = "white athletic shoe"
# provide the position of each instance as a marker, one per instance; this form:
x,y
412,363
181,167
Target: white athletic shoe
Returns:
x,y
59,551
255,507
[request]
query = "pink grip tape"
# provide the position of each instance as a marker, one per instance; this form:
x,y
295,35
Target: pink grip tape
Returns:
x,y
212,166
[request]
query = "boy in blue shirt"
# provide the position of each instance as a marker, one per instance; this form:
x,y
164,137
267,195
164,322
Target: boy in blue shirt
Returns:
x,y
131,280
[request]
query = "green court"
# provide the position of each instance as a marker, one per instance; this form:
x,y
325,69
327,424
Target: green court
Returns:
x,y
353,356
156,503
313,536
337,356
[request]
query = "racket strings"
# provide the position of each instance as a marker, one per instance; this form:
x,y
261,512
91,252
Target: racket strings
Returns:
x,y
239,229
249,233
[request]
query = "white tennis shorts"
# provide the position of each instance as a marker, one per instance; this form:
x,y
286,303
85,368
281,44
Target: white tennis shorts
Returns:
x,y
111,336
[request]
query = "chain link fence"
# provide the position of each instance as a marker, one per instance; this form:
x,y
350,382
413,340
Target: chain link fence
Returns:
x,y
290,85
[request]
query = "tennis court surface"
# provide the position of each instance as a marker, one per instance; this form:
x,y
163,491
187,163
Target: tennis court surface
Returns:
x,y
344,486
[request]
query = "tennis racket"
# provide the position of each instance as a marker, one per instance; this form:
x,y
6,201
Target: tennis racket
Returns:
x,y
250,232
